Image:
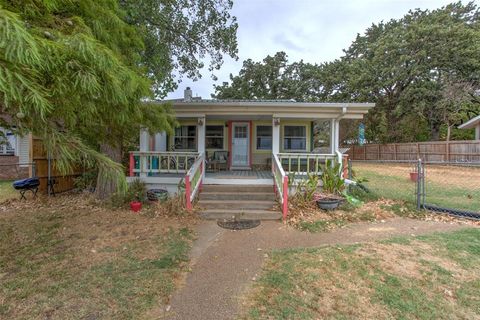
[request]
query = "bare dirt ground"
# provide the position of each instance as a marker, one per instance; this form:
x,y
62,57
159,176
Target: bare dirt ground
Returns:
x,y
461,176
224,263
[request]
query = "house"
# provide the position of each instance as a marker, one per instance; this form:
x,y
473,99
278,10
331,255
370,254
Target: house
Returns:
x,y
14,155
258,144
472,123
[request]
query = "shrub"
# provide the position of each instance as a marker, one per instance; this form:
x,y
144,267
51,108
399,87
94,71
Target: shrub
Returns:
x,y
86,181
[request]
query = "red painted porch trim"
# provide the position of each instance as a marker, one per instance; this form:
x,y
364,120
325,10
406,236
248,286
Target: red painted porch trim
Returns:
x,y
188,193
132,165
285,198
345,166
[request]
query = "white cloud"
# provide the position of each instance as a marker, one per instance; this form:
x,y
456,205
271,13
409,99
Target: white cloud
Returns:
x,y
313,30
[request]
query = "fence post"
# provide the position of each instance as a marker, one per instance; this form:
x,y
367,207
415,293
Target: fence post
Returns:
x,y
350,174
419,184
132,165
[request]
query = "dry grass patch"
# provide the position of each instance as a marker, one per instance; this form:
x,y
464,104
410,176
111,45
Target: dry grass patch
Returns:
x,y
71,258
430,277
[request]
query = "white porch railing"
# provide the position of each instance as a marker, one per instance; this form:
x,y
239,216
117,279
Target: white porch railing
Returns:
x,y
280,179
193,180
155,162
304,163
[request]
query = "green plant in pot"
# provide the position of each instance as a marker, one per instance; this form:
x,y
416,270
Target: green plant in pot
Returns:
x,y
332,185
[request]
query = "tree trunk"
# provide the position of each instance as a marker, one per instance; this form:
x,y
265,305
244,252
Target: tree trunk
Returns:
x,y
449,132
435,132
105,187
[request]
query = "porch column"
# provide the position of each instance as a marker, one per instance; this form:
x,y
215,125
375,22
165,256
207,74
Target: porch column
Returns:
x,y
337,134
144,143
201,140
201,135
332,135
161,141
275,135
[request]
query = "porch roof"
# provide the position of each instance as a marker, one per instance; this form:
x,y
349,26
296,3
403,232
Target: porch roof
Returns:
x,y
274,108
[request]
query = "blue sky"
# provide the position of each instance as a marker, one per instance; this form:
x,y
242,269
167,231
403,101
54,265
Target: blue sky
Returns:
x,y
313,30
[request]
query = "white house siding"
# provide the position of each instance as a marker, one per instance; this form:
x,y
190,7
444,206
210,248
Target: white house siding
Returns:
x,y
22,150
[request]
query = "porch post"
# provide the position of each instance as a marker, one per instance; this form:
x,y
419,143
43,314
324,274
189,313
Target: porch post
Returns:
x,y
161,141
275,135
337,134
201,140
332,136
144,142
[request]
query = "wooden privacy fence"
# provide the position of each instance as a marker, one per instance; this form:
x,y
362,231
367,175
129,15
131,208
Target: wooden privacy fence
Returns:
x,y
432,151
38,156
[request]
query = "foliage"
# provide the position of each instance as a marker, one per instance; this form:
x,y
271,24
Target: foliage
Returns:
x,y
332,183
136,191
421,70
86,181
307,188
179,35
79,75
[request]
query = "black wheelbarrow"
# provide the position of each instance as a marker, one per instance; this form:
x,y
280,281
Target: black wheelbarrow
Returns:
x,y
25,185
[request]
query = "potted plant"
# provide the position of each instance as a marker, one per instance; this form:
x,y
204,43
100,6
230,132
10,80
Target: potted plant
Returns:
x,y
333,186
137,190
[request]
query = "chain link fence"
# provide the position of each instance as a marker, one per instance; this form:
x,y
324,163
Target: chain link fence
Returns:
x,y
452,189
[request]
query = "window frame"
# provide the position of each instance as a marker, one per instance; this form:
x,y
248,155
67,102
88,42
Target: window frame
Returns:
x,y
215,137
186,137
304,137
256,137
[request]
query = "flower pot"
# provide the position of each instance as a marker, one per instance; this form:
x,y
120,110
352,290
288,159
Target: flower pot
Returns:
x,y
414,176
135,206
328,203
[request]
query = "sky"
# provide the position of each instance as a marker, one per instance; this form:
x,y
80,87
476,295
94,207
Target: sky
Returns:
x,y
313,30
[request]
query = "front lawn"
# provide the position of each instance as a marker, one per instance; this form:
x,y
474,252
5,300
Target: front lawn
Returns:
x,y
7,191
429,277
72,259
448,186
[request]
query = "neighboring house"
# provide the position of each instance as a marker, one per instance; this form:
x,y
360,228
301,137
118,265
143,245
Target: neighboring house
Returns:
x,y
258,142
472,123
14,155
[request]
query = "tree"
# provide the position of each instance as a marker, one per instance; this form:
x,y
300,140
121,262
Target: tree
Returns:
x,y
179,35
74,74
403,65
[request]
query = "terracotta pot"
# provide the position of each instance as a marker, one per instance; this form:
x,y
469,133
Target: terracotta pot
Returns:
x,y
135,206
414,176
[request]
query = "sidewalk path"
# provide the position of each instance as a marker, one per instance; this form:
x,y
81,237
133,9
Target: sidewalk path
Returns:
x,y
225,262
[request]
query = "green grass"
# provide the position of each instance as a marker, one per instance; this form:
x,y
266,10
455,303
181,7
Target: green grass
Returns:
x,y
6,190
429,277
48,271
400,188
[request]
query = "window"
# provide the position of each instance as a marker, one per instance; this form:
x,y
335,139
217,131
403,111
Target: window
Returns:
x,y
295,138
214,137
264,137
185,138
7,142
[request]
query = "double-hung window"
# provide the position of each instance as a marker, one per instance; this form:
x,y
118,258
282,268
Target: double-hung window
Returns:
x,y
214,137
295,138
264,137
185,138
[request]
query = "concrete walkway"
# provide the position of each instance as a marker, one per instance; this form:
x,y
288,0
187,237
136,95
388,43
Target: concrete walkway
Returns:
x,y
225,262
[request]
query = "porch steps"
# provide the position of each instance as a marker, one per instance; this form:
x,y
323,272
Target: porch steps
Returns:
x,y
240,201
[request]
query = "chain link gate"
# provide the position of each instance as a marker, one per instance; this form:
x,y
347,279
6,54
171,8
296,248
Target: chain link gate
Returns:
x,y
421,196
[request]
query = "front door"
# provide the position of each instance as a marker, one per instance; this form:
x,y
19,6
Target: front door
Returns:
x,y
240,144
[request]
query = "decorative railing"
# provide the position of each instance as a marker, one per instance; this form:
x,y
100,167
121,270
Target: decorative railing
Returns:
x,y
193,180
304,163
280,184
152,163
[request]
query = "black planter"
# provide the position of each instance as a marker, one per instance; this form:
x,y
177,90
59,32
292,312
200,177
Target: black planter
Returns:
x,y
328,203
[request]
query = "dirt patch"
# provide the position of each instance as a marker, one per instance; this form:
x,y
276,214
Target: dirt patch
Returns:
x,y
459,176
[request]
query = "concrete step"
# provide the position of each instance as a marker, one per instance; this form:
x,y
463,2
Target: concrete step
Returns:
x,y
237,196
228,188
236,204
215,214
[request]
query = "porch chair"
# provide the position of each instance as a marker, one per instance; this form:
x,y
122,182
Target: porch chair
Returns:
x,y
219,160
